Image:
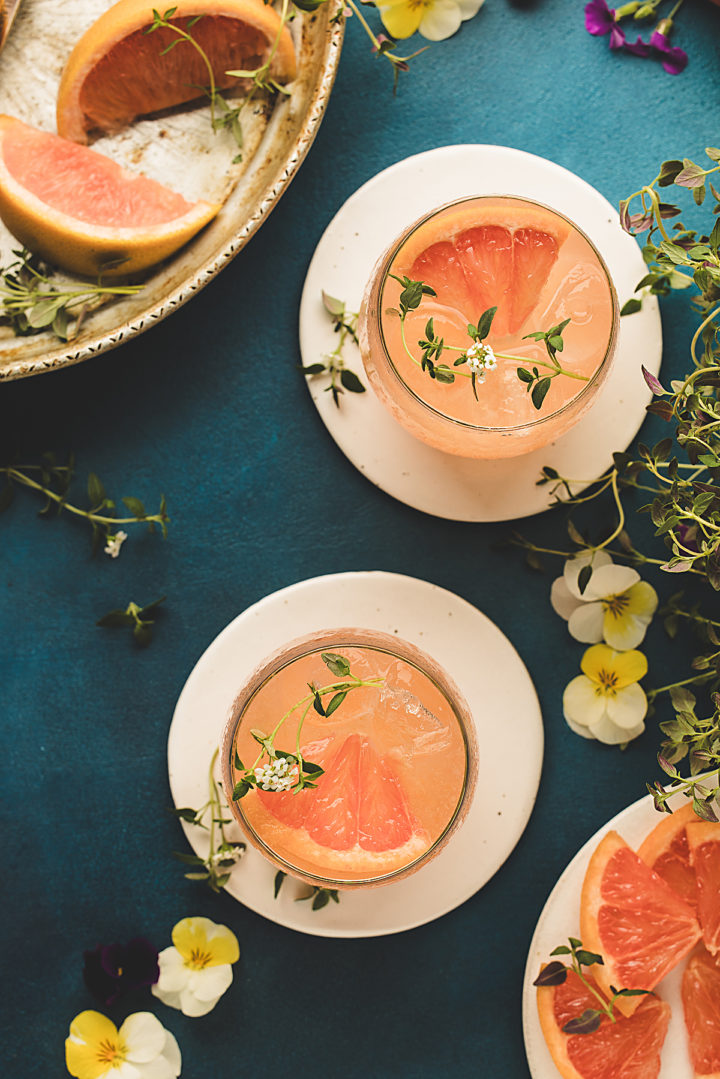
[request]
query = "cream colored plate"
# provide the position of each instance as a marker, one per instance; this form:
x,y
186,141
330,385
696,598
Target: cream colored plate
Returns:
x,y
179,150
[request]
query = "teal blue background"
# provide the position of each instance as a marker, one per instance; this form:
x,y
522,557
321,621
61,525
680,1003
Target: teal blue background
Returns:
x,y
210,409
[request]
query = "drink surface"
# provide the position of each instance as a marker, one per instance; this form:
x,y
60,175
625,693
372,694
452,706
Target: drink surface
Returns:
x,y
527,261
395,765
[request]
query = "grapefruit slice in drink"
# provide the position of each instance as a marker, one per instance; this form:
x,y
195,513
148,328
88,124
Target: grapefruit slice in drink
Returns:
x,y
357,819
666,851
634,919
704,842
701,1004
477,258
84,212
626,1049
118,71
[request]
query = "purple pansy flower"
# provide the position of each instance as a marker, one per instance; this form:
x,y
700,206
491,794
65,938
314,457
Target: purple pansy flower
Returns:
x,y
599,18
114,969
674,60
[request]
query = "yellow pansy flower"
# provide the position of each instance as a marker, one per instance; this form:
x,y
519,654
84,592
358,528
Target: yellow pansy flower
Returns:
x,y
434,19
196,970
141,1049
615,606
606,702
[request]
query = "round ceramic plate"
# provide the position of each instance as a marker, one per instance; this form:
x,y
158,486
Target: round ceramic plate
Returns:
x,y
179,149
561,918
423,477
455,634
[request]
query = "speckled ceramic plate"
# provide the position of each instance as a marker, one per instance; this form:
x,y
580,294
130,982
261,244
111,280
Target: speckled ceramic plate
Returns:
x,y
178,149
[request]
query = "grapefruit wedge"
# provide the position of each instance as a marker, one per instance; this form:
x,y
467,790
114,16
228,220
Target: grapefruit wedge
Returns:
x,y
634,919
666,851
84,212
477,258
701,1004
357,819
118,72
704,842
627,1049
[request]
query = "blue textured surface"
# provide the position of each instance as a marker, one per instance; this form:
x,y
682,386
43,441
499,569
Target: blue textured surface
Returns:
x,y
209,408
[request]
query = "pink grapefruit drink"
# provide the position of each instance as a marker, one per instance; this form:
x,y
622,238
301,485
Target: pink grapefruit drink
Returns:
x,y
538,269
398,754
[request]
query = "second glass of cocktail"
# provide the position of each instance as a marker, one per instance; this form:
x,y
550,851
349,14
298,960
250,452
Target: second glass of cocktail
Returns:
x,y
349,758
489,326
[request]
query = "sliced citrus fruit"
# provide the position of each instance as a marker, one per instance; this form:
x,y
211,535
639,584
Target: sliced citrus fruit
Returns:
x,y
666,851
118,72
701,1004
634,919
626,1049
84,212
358,817
704,842
478,258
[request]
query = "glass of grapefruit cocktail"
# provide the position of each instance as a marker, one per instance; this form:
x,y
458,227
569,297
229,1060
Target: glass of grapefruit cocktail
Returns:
x,y
539,271
398,756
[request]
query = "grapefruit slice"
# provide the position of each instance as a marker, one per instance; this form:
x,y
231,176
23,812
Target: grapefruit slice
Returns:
x,y
704,842
117,72
666,851
701,1004
477,258
84,212
634,919
358,817
627,1049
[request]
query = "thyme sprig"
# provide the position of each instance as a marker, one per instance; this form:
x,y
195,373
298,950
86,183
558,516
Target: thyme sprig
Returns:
x,y
223,853
333,364
54,481
317,896
475,359
277,769
556,973
694,739
136,617
31,303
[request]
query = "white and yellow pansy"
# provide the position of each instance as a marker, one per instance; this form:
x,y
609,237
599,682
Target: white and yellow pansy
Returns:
x,y
197,969
433,19
141,1049
605,701
616,605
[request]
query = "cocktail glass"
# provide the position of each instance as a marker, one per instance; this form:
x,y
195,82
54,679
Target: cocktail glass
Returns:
x,y
538,269
400,759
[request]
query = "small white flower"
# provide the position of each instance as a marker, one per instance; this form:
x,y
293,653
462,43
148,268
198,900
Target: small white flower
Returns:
x,y
115,543
606,702
141,1049
277,775
481,358
197,969
616,606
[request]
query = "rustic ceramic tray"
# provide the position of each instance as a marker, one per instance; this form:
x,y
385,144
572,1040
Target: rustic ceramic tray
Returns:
x,y
178,149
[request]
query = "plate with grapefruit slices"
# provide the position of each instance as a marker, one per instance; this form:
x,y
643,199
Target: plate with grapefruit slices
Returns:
x,y
133,161
643,894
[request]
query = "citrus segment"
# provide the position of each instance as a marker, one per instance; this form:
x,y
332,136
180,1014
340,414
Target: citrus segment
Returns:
x,y
666,851
117,72
384,820
701,1004
333,817
84,212
634,919
704,842
627,1049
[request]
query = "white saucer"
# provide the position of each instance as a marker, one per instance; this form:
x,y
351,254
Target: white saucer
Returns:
x,y
487,670
435,482
561,918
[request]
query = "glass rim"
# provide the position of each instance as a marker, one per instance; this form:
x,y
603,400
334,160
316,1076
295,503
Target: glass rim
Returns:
x,y
531,424
317,642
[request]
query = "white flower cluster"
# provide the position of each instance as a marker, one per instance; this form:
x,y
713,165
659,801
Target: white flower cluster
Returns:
x,y
481,358
279,775
115,543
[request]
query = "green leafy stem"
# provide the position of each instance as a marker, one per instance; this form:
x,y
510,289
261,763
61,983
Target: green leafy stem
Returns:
x,y
333,365
307,773
556,973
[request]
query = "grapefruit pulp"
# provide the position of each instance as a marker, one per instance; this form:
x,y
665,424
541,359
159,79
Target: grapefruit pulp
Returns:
x,y
701,1004
704,841
118,72
666,851
84,212
627,1049
633,918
